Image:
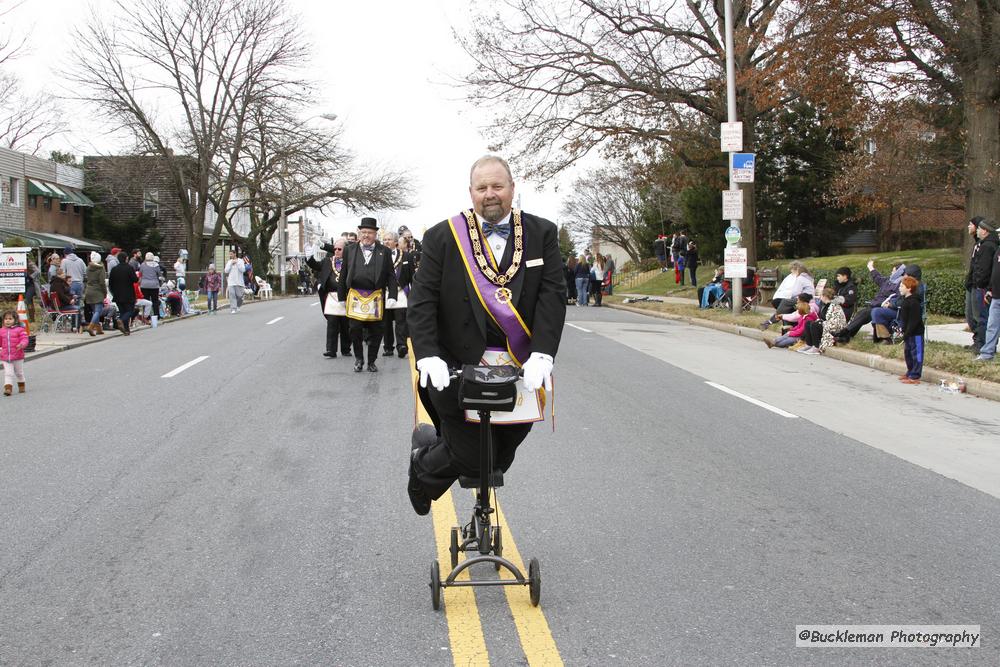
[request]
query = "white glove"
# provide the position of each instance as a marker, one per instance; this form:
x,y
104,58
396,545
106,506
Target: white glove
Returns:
x,y
390,303
538,372
436,369
319,254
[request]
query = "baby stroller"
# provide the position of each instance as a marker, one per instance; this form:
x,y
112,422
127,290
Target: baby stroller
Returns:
x,y
751,292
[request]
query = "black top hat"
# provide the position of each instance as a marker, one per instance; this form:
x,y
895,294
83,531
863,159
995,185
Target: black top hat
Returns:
x,y
368,223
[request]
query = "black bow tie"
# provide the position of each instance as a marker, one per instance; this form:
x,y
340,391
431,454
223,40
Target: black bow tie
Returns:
x,y
499,228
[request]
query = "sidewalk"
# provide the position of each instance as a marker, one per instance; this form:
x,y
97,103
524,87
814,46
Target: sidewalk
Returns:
x,y
954,334
50,343
947,333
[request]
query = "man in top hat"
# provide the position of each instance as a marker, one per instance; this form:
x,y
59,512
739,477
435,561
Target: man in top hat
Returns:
x,y
366,288
490,284
395,318
327,261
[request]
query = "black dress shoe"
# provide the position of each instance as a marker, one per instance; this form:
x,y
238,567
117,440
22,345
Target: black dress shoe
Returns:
x,y
387,352
358,365
401,352
418,498
332,355
372,368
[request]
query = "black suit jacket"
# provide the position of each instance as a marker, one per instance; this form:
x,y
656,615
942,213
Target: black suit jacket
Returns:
x,y
407,266
326,279
385,277
444,315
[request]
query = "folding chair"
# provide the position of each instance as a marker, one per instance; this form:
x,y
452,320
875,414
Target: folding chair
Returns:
x,y
55,313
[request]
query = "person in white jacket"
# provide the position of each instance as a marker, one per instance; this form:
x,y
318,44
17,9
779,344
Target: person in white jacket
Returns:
x,y
798,281
234,270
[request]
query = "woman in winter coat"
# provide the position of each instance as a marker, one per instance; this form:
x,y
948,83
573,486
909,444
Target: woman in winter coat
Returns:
x,y
582,276
597,273
95,290
819,334
691,261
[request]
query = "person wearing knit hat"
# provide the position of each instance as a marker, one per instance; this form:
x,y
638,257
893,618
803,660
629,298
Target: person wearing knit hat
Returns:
x,y
112,259
977,280
95,290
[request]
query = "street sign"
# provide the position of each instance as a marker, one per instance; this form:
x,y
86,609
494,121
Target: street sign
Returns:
x,y
732,137
742,166
733,235
735,261
732,204
13,269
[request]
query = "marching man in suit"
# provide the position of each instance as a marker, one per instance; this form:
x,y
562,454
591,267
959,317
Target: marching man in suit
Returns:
x,y
367,287
327,261
395,318
490,286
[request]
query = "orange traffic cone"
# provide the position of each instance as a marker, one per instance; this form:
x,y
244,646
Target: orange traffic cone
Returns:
x,y
22,314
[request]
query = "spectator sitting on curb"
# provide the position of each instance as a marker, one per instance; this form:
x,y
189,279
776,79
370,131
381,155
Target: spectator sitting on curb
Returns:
x,y
846,290
887,286
818,334
804,309
884,315
789,320
798,281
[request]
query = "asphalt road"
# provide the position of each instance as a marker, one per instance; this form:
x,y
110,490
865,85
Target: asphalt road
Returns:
x,y
251,509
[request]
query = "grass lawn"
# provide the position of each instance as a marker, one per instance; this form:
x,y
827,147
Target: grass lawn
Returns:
x,y
942,356
937,258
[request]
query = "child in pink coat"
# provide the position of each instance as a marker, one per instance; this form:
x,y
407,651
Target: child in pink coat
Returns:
x,y
13,340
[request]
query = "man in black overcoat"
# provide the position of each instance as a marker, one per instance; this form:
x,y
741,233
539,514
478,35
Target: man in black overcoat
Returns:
x,y
121,283
449,325
327,261
367,268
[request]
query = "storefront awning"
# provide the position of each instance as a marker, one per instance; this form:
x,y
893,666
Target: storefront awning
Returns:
x,y
49,240
72,196
39,189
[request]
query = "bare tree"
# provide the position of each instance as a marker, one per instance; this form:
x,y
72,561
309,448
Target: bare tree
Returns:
x,y
303,165
27,120
611,205
181,78
575,75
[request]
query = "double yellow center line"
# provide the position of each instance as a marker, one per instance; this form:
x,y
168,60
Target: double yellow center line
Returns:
x,y
465,628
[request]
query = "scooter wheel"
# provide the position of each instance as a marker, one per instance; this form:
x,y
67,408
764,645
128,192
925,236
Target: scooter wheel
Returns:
x,y
454,548
497,546
534,581
436,586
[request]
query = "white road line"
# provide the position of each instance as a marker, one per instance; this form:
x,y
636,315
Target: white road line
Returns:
x,y
761,404
181,369
569,324
275,320
315,303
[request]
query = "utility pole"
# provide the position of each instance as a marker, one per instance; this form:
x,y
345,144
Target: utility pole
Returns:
x,y
736,281
283,232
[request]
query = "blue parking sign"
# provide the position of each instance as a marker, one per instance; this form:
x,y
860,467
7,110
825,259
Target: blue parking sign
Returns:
x,y
742,167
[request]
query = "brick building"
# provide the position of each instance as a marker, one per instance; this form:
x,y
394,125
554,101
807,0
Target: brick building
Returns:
x,y
40,195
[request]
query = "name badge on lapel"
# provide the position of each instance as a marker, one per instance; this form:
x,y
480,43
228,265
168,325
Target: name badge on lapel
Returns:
x,y
534,262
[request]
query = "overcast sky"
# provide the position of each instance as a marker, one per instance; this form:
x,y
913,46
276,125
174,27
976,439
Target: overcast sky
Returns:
x,y
382,68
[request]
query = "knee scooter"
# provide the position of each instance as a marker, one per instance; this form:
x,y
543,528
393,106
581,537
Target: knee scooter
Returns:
x,y
485,389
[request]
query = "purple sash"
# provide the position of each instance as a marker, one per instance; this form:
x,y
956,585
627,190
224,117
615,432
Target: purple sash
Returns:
x,y
504,314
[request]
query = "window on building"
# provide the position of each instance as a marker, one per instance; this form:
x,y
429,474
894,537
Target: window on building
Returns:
x,y
32,201
15,191
76,210
63,207
151,201
47,203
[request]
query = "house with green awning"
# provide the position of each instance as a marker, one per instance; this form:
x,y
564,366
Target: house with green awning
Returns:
x,y
41,196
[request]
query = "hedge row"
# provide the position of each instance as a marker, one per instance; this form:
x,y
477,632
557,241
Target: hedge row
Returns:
x,y
945,289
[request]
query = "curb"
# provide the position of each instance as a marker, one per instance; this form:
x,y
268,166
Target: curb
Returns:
x,y
90,340
973,386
